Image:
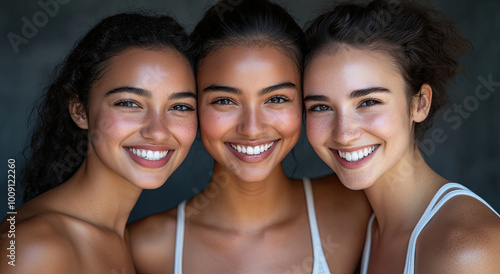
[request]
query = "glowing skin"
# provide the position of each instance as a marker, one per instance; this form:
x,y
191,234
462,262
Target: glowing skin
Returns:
x,y
141,117
356,105
249,108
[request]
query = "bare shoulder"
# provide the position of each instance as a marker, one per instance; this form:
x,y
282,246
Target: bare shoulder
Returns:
x,y
39,244
152,241
463,237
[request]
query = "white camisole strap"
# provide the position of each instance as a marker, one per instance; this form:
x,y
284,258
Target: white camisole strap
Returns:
x,y
439,199
320,265
179,238
433,207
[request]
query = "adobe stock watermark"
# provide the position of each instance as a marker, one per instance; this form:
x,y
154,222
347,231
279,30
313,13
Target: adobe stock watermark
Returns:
x,y
32,25
381,19
455,114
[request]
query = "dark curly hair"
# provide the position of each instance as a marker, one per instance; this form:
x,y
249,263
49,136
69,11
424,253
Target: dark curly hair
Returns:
x,y
230,22
58,146
423,42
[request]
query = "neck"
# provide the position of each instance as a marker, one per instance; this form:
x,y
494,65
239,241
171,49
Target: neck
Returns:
x,y
400,197
244,206
101,197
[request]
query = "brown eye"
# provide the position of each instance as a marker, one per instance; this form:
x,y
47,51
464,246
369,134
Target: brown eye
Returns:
x,y
277,100
319,108
369,103
223,101
127,104
182,108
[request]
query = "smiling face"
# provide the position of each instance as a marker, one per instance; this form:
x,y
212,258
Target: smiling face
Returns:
x,y
250,108
141,116
357,114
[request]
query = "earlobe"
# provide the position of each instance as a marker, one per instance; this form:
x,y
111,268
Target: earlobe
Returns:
x,y
78,113
422,103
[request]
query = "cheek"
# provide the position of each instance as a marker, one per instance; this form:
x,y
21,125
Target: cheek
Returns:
x,y
213,124
109,126
288,120
184,129
318,130
388,125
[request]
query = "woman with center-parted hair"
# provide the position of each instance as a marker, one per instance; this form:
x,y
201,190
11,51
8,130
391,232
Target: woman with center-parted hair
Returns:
x,y
256,219
374,78
124,101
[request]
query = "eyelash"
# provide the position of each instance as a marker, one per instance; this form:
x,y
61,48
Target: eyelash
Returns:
x,y
228,101
122,103
316,108
127,104
373,102
218,101
282,99
184,108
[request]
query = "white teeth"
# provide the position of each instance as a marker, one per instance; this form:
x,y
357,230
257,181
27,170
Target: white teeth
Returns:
x,y
256,150
149,154
356,155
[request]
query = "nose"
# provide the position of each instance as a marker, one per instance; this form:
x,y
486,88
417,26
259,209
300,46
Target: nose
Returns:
x,y
155,127
345,128
251,123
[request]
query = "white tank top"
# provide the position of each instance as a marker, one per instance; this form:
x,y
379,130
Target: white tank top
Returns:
x,y
320,266
436,203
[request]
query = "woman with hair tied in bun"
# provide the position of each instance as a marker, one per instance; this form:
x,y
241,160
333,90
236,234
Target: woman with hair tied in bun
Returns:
x,y
123,102
252,218
374,77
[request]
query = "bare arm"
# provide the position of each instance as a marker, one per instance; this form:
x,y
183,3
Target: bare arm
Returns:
x,y
152,243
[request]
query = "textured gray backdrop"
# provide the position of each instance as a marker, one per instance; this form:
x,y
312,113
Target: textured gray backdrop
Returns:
x,y
463,146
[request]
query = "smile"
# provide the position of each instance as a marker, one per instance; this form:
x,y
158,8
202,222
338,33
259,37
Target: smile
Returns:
x,y
149,154
357,155
252,150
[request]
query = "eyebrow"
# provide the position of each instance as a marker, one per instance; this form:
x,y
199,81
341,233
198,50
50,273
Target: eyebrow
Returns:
x,y
363,92
138,91
264,91
284,85
182,95
320,98
355,94
222,88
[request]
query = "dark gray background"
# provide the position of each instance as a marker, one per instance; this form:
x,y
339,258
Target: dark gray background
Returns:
x,y
465,146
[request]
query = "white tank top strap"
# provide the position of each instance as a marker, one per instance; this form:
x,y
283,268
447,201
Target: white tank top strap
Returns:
x,y
320,265
179,238
437,202
365,259
444,194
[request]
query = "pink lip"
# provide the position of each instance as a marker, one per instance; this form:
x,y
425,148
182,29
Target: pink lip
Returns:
x,y
352,165
252,159
148,163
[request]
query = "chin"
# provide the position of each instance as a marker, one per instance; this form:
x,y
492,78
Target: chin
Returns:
x,y
150,183
252,177
355,183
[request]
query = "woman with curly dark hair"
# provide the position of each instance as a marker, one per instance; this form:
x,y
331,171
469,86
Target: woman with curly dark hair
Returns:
x,y
118,118
374,78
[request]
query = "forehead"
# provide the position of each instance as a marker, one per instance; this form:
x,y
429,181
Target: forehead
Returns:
x,y
255,63
145,68
350,69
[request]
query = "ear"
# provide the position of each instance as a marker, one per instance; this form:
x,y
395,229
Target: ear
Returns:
x,y
78,113
422,103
